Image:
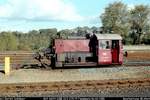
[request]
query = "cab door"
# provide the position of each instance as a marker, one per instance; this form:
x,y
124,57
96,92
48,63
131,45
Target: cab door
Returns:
x,y
115,51
104,52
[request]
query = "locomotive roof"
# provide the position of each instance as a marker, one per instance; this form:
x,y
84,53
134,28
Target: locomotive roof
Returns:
x,y
109,36
76,37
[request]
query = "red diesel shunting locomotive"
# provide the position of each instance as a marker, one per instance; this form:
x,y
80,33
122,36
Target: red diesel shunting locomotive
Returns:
x,y
100,49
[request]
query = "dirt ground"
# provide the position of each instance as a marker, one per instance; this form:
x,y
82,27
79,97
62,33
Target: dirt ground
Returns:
x,y
139,55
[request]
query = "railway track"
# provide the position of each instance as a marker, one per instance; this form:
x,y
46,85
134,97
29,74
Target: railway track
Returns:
x,y
25,58
135,63
72,85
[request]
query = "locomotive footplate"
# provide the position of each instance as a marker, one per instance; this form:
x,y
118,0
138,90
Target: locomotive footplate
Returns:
x,y
80,64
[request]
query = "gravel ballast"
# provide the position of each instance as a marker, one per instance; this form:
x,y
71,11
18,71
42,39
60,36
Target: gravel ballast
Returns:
x,y
43,75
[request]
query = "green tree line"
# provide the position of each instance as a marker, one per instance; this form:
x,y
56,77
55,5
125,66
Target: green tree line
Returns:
x,y
36,39
133,24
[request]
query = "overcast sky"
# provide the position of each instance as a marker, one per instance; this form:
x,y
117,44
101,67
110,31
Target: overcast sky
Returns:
x,y
25,15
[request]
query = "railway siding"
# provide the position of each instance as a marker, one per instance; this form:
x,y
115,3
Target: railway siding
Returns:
x,y
33,80
21,58
72,85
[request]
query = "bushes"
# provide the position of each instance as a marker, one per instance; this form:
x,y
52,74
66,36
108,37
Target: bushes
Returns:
x,y
146,39
8,41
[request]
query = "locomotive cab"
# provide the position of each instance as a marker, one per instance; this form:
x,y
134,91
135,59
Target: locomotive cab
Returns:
x,y
110,50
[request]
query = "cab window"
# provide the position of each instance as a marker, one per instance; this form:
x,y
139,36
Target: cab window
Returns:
x,y
104,44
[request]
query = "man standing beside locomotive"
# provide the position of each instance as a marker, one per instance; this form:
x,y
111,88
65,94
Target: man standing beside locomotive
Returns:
x,y
93,45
